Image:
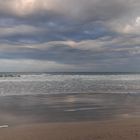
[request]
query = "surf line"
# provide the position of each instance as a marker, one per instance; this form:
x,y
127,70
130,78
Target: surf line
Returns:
x,y
4,126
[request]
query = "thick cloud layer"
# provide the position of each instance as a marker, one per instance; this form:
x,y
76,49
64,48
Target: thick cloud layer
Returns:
x,y
70,35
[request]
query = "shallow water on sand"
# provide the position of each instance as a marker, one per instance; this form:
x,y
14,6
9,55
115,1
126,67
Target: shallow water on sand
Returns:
x,y
15,110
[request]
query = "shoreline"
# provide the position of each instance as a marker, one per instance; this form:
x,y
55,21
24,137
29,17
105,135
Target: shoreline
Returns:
x,y
120,129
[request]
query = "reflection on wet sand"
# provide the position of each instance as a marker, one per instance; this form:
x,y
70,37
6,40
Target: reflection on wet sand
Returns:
x,y
67,107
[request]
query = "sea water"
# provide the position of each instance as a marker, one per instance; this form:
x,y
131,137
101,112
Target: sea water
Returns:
x,y
59,97
58,83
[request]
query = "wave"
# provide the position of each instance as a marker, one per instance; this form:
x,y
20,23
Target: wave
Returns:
x,y
9,75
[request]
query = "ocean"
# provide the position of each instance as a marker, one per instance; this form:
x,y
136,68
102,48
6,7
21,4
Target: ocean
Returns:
x,y
67,83
60,97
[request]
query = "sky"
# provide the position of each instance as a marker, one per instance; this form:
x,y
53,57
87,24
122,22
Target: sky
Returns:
x,y
70,35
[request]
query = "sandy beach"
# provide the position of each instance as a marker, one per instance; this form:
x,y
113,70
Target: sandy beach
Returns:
x,y
124,129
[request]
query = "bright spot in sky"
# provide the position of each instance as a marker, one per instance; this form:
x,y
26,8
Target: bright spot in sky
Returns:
x,y
134,27
24,7
138,21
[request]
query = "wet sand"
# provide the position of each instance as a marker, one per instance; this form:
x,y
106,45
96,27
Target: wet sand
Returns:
x,y
70,117
124,129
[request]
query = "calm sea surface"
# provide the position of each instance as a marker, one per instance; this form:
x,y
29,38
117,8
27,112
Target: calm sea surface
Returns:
x,y
56,97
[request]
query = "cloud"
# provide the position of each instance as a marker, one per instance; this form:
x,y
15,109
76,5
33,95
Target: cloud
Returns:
x,y
70,34
27,65
19,30
90,10
133,28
